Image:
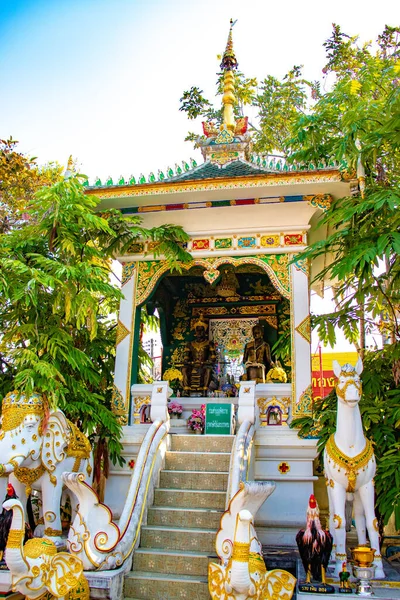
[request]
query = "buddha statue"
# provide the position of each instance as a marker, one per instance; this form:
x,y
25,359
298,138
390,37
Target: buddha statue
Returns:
x,y
198,361
257,357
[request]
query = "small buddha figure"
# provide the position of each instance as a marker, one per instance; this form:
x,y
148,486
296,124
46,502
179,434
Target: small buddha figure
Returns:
x,y
198,362
257,356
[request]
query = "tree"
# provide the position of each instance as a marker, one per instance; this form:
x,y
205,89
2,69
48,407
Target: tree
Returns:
x,y
57,301
358,124
20,178
355,123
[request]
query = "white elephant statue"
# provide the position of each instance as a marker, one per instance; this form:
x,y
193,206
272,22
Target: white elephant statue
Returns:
x,y
37,569
36,447
241,574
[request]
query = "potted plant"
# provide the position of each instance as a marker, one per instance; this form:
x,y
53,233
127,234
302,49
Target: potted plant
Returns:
x,y
174,378
175,409
196,421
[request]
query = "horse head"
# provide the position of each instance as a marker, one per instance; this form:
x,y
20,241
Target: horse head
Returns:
x,y
348,386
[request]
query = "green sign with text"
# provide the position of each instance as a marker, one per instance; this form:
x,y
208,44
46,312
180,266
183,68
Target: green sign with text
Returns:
x,y
219,419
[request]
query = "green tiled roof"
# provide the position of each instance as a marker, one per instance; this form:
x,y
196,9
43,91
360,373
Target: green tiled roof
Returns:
x,y
238,168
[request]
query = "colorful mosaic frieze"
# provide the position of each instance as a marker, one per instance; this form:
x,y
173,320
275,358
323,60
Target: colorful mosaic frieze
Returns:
x,y
223,243
270,241
203,244
275,265
247,242
293,239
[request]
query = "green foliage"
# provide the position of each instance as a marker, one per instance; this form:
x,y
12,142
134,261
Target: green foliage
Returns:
x,y
380,413
279,104
20,177
58,302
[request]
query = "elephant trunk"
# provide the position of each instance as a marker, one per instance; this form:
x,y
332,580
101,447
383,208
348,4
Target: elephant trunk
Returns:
x,y
11,465
14,556
240,576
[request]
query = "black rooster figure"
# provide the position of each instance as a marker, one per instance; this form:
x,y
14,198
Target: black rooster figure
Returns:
x,y
5,522
314,544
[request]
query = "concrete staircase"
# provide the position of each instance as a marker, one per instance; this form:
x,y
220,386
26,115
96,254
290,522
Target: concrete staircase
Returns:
x,y
178,541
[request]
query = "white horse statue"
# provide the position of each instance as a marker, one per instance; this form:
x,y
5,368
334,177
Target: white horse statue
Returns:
x,y
349,469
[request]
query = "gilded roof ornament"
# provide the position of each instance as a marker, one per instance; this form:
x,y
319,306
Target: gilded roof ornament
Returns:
x,y
228,64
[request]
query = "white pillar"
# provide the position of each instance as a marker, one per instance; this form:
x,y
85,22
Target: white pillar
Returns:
x,y
301,339
125,332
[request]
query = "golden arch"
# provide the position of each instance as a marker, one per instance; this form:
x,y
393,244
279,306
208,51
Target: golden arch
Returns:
x,y
275,265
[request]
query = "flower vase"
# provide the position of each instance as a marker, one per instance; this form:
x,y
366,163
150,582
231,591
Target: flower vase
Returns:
x,y
198,431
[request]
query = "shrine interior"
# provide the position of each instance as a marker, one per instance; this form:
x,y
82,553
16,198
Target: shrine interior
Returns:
x,y
242,297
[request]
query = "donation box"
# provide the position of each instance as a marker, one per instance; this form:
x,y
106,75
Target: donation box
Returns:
x,y
219,419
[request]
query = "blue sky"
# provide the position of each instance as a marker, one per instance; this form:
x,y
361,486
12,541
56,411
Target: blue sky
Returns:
x,y
101,80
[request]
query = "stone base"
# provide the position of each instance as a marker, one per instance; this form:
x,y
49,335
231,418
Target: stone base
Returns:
x,y
108,585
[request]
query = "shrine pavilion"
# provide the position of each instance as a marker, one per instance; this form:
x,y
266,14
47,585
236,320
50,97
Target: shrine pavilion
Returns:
x,y
247,218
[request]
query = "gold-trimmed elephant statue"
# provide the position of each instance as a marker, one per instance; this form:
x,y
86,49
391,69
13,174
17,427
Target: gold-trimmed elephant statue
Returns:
x,y
37,570
36,447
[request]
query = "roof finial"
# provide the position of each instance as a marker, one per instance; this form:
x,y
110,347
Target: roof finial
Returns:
x,y
229,63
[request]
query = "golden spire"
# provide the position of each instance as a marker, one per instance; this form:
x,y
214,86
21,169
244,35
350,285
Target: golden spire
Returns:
x,y
228,64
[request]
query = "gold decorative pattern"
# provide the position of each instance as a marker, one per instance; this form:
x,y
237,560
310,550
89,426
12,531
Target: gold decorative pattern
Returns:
x,y
375,526
52,532
118,405
304,329
16,406
128,270
275,265
78,444
322,201
304,405
302,265
138,402
176,187
241,552
28,476
122,332
350,464
81,591
15,537
338,519
37,546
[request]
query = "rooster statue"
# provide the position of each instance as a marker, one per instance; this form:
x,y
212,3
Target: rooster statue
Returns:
x,y
5,522
315,547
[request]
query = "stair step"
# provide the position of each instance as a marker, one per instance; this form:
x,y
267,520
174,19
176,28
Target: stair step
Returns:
x,y
175,538
172,562
197,461
202,443
157,586
193,480
176,517
189,498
